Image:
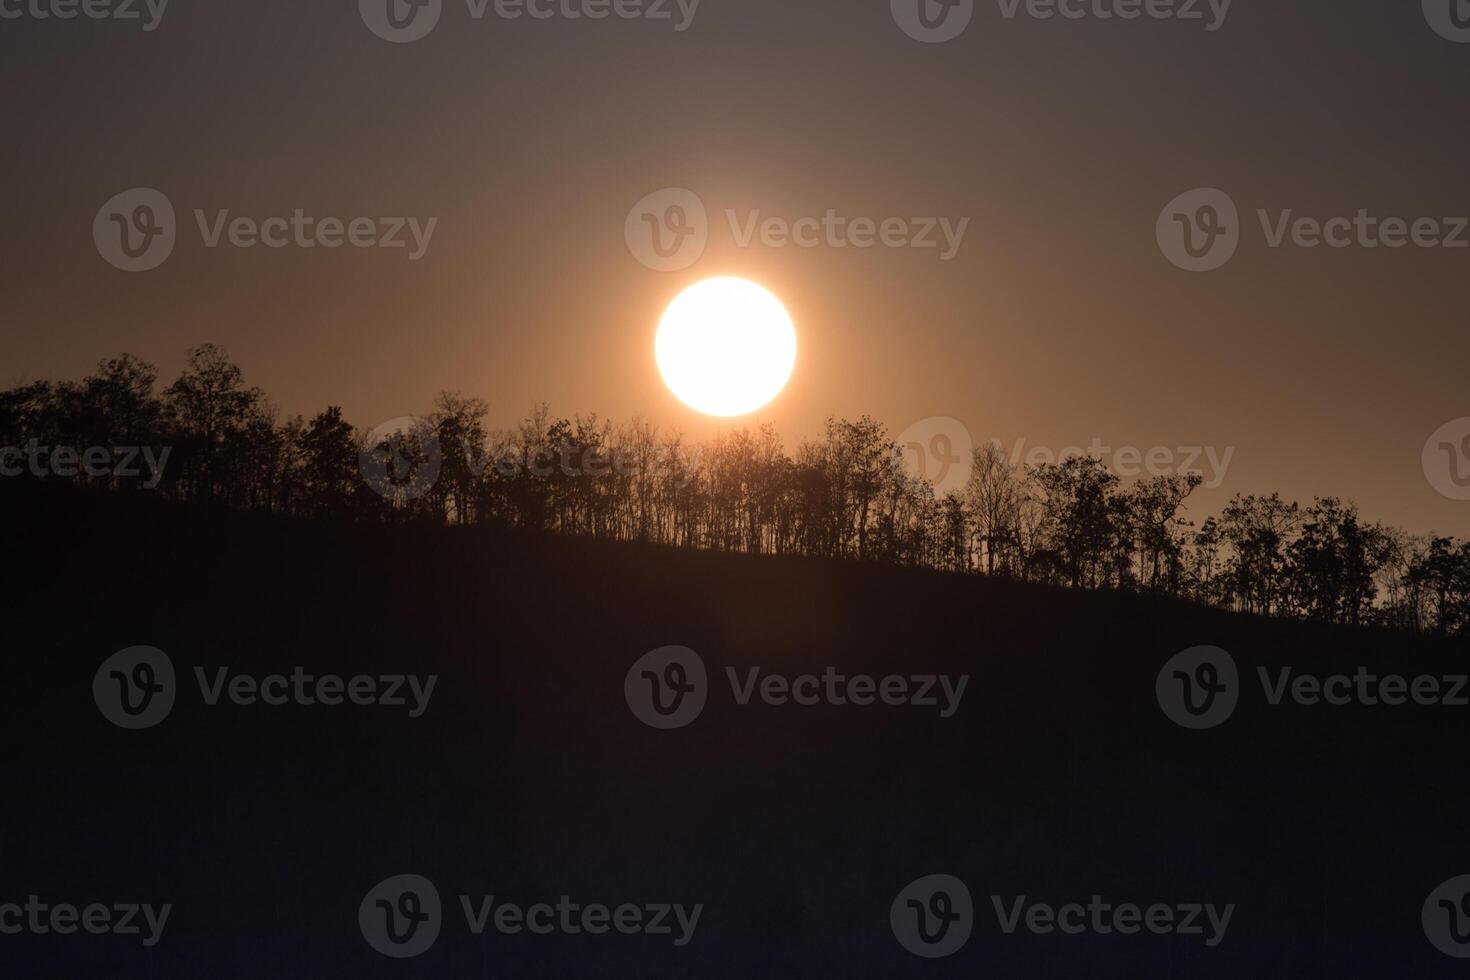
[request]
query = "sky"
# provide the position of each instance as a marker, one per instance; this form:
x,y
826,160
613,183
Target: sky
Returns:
x,y
1059,320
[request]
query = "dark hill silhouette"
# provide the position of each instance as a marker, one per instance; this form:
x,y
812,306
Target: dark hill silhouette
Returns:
x,y
529,777
852,492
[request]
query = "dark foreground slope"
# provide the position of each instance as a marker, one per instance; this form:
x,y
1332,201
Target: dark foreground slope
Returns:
x,y
528,777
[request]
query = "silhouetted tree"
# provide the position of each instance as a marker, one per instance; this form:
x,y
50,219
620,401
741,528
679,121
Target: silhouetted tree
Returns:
x,y
1082,517
1257,530
844,494
994,499
330,478
1333,562
214,417
459,426
1153,506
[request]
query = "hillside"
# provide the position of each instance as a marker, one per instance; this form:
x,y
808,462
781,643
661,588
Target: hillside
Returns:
x,y
526,776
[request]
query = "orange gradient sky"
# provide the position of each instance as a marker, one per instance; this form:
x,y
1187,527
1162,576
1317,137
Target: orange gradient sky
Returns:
x,y
1058,322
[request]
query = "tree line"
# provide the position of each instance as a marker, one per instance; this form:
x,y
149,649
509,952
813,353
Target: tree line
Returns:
x,y
845,494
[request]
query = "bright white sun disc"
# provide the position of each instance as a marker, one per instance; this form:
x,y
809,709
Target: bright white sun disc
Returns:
x,y
725,346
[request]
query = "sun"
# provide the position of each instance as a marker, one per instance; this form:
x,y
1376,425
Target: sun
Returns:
x,y
725,346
